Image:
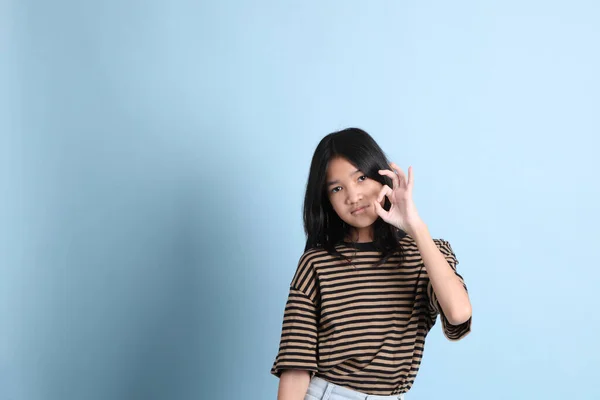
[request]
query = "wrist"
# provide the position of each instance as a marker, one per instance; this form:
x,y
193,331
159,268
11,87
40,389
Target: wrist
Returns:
x,y
418,231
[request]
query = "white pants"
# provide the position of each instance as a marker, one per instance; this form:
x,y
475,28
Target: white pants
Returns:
x,y
320,389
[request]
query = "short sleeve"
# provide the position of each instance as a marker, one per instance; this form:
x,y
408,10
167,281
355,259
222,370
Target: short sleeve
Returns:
x,y
452,332
299,335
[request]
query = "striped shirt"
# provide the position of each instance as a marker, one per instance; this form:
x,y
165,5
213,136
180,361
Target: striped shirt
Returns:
x,y
360,326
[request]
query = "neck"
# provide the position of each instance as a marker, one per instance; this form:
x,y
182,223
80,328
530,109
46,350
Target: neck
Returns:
x,y
359,237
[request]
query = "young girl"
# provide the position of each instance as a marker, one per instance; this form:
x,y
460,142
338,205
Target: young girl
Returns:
x,y
370,283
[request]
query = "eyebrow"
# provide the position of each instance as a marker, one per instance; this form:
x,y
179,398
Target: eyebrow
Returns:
x,y
337,181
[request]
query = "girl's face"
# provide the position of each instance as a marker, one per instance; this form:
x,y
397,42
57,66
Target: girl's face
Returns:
x,y
349,189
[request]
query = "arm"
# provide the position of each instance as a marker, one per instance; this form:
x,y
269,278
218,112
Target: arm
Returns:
x,y
451,294
293,384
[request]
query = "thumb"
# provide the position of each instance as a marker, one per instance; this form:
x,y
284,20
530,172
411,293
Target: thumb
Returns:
x,y
379,210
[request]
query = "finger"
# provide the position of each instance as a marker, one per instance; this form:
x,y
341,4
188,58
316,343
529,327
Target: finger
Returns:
x,y
411,177
401,174
392,175
385,191
399,171
379,210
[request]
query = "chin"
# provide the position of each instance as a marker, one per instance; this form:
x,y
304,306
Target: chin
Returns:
x,y
364,224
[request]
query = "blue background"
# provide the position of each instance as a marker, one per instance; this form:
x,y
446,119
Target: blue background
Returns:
x,y
153,158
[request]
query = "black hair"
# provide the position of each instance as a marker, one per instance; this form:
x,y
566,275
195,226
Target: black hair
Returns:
x,y
323,227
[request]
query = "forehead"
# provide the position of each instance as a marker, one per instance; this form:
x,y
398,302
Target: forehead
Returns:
x,y
339,168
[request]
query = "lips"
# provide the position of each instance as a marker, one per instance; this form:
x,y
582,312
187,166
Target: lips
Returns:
x,y
359,210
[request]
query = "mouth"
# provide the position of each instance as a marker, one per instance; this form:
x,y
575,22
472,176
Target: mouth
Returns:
x,y
359,210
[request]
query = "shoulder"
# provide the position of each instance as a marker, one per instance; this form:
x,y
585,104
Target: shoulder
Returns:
x,y
305,269
309,256
439,242
443,245
447,251
305,278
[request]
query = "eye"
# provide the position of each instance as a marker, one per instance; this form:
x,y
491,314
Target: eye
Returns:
x,y
360,179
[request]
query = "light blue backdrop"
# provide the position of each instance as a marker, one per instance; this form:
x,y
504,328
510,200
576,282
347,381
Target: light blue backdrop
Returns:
x,y
153,159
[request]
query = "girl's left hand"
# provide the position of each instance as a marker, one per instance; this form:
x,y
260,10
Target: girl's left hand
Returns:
x,y
403,213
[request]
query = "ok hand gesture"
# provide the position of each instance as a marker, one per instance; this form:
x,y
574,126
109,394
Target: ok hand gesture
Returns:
x,y
403,213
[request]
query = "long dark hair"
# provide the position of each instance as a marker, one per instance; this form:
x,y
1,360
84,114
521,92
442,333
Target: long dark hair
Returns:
x,y
323,227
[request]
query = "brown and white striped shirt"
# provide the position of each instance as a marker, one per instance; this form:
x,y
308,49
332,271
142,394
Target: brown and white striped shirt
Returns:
x,y
364,327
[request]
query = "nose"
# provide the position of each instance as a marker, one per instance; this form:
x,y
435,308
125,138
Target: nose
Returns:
x,y
354,195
